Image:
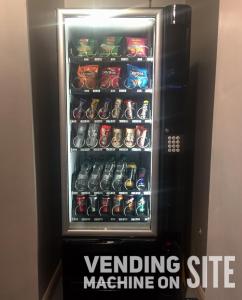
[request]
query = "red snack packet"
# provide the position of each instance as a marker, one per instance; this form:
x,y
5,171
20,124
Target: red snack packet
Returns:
x,y
110,77
87,76
136,47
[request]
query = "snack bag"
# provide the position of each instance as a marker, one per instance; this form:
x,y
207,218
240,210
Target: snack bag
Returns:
x,y
110,46
136,47
137,77
87,76
110,77
86,47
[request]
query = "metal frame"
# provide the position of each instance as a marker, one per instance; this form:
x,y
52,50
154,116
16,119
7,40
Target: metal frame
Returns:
x,y
72,229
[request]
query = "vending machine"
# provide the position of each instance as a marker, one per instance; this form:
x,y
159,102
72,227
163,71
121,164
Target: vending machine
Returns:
x,y
123,78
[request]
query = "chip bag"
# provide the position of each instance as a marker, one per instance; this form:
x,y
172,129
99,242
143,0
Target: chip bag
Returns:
x,y
110,46
87,76
86,47
110,77
136,77
136,47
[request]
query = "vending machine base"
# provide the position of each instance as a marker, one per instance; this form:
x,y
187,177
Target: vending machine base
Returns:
x,y
121,268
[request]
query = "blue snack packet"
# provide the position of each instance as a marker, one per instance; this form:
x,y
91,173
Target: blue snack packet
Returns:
x,y
137,77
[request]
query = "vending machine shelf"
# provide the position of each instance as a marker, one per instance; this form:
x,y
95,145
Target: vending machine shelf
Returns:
x,y
81,59
145,193
111,149
81,91
111,121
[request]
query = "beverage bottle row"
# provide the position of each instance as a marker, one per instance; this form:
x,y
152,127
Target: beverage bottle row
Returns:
x,y
116,206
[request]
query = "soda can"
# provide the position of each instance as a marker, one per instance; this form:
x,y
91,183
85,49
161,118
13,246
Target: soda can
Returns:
x,y
79,139
105,133
142,140
140,181
117,204
78,112
92,208
92,135
116,111
140,205
92,110
129,140
104,205
81,204
117,138
129,205
142,112
104,112
129,111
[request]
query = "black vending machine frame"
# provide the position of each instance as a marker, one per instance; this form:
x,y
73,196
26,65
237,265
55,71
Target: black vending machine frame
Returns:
x,y
174,210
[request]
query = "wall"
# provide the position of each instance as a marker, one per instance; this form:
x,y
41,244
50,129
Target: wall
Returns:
x,y
225,206
118,4
203,68
43,47
18,213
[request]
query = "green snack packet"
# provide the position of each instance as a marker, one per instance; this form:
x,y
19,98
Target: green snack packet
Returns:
x,y
86,47
110,46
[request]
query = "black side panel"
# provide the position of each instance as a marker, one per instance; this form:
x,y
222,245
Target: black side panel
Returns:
x,y
176,185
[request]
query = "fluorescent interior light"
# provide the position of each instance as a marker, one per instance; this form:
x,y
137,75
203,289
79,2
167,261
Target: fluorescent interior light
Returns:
x,y
103,21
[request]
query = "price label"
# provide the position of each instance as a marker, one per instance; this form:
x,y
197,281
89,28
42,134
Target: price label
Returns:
x,y
136,149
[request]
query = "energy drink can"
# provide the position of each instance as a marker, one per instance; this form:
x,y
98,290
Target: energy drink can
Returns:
x,y
104,205
140,182
81,204
129,183
92,208
141,206
117,204
129,206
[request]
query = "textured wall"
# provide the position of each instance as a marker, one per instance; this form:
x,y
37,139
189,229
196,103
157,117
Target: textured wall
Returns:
x,y
43,48
18,213
203,68
225,205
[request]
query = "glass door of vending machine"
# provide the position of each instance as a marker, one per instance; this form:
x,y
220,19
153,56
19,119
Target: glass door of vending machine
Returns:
x,y
109,73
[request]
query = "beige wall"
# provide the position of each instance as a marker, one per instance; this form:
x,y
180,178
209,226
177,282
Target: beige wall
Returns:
x,y
18,216
203,67
225,207
113,3
43,49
